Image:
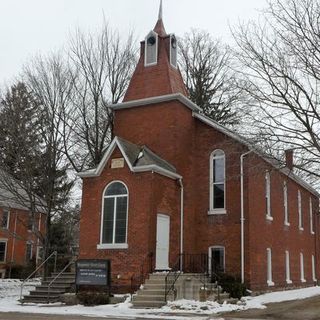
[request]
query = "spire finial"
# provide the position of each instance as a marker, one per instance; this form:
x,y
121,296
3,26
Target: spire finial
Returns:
x,y
160,11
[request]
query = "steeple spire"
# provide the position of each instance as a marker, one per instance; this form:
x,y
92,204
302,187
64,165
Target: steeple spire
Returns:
x,y
159,27
160,11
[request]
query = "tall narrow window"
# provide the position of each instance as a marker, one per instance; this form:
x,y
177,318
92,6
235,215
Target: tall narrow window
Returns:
x,y
5,219
268,196
29,251
269,268
173,50
314,277
217,182
288,278
302,268
300,211
115,215
3,250
285,204
311,216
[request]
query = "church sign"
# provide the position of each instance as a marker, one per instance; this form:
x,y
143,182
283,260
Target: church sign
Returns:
x,y
93,272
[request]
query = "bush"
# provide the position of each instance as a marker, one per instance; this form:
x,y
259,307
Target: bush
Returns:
x,y
93,298
233,286
22,271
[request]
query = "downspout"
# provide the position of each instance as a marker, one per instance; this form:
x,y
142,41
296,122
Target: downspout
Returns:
x,y
242,213
181,222
13,242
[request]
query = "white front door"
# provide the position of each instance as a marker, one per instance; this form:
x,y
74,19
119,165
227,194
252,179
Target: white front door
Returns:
x,y
162,249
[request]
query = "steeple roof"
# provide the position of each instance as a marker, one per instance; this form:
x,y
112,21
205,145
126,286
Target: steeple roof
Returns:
x,y
159,78
159,27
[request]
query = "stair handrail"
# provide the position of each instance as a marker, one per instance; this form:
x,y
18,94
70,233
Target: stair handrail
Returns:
x,y
58,275
176,274
35,271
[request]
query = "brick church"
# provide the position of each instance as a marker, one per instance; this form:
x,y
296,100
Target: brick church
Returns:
x,y
175,186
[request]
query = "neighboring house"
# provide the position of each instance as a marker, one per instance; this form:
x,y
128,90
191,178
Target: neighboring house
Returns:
x,y
20,231
176,186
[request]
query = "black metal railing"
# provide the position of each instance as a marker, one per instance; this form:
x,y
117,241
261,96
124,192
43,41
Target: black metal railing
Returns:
x,y
198,265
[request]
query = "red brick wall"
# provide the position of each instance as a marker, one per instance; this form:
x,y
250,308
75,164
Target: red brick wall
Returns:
x,y
274,234
149,194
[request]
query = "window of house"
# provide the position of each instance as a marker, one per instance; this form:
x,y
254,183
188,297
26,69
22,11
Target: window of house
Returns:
x,y
300,211
314,278
5,219
217,259
269,268
115,215
29,251
302,268
268,196
285,204
288,277
217,182
151,49
311,216
3,251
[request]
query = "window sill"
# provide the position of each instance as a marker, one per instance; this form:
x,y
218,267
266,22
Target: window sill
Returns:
x,y
314,280
270,283
312,232
289,281
217,211
303,280
301,229
269,218
287,224
114,246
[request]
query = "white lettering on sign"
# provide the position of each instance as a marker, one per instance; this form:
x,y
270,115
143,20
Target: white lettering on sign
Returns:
x,y
117,163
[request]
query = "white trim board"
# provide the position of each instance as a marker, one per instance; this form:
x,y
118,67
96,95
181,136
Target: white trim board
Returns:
x,y
115,143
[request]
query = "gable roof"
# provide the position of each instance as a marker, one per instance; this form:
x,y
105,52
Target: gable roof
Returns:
x,y
138,159
13,195
252,147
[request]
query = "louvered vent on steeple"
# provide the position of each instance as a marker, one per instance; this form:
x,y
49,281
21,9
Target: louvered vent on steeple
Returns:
x,y
173,50
151,49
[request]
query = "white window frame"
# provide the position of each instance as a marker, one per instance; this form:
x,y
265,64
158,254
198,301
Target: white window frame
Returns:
x,y
5,251
285,204
171,37
113,245
313,265
302,277
268,196
151,33
287,261
210,257
269,268
300,211
212,210
311,216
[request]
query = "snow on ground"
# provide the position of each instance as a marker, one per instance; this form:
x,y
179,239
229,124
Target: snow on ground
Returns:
x,y
10,292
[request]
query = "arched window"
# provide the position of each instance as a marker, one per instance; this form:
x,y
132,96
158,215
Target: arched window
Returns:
x,y
217,182
151,49
115,214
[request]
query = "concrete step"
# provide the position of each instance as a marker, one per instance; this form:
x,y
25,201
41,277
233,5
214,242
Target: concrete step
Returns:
x,y
151,292
146,297
148,304
44,291
41,299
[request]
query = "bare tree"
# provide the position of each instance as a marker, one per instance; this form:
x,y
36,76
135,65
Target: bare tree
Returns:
x,y
102,64
207,70
280,61
51,82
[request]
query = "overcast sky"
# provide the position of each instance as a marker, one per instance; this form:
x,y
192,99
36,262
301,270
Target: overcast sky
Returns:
x,y
28,27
